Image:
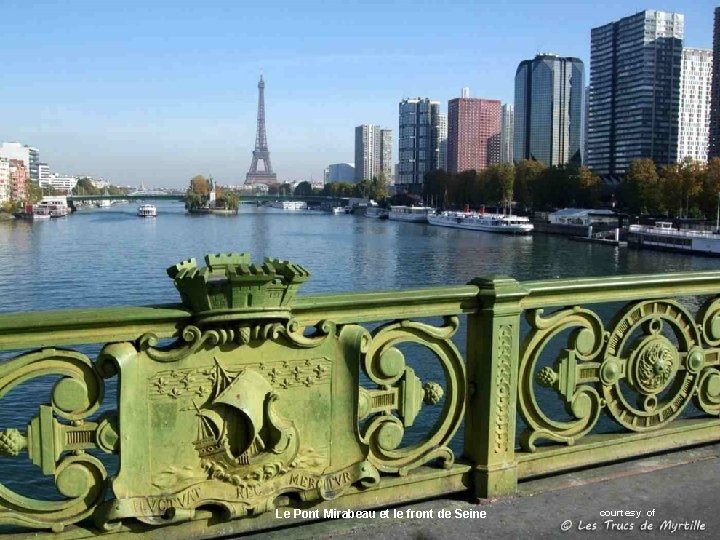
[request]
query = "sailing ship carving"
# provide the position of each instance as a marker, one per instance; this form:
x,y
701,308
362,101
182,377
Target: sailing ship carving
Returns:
x,y
240,436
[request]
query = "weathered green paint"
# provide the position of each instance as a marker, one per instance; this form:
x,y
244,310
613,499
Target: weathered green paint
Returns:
x,y
246,412
492,351
258,405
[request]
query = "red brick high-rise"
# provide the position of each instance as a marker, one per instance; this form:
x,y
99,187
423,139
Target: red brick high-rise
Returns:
x,y
473,134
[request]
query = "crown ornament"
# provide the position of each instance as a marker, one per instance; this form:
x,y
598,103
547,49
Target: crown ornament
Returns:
x,y
230,287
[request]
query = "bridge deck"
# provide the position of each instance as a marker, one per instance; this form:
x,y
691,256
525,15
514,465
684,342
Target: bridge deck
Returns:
x,y
678,487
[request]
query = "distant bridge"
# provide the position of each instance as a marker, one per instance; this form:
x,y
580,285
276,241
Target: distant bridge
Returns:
x,y
246,199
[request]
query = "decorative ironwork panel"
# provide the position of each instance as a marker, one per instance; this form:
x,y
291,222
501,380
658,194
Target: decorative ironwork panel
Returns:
x,y
245,412
643,371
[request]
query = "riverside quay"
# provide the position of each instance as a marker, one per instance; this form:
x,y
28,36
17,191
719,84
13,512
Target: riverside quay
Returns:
x,y
247,402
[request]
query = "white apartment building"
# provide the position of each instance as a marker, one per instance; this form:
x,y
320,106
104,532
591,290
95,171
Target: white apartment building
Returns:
x,y
29,155
4,180
694,118
507,125
442,136
59,181
373,152
43,172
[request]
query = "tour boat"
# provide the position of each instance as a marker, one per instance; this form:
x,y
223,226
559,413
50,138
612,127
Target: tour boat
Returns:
x,y
56,205
147,210
416,214
662,236
497,223
33,213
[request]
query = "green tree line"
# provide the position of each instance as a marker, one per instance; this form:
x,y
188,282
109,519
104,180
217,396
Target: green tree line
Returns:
x,y
85,187
685,189
377,189
528,184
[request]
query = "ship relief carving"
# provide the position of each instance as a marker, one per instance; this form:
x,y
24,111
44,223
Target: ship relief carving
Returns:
x,y
240,438
245,410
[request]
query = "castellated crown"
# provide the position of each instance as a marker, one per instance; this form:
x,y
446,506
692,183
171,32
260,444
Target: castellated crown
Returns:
x,y
231,287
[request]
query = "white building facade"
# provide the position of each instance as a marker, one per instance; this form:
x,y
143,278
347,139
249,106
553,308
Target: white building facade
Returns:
x,y
442,141
507,123
695,88
4,180
59,181
373,152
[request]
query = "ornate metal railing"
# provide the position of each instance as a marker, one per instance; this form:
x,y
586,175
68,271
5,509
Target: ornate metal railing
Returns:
x,y
268,402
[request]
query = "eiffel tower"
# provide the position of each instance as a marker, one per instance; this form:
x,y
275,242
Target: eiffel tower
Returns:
x,y
261,152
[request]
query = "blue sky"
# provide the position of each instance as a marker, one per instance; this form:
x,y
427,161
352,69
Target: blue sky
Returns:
x,y
158,91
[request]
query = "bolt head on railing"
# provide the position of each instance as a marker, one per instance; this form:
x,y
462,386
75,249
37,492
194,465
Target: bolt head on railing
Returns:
x,y
231,287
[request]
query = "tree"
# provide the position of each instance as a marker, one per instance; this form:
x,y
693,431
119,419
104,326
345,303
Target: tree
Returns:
x,y
587,188
379,190
526,173
85,187
435,186
228,200
641,188
198,194
303,189
710,194
199,185
552,188
505,176
462,187
363,188
682,182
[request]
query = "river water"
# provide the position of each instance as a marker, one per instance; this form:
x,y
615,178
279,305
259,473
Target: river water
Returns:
x,y
110,257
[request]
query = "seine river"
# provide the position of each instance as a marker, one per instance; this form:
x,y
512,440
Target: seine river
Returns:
x,y
111,257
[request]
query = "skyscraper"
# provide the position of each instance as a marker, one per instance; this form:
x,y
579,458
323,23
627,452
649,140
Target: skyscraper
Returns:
x,y
634,91
373,152
442,135
507,127
695,90
419,145
714,134
340,172
473,133
548,107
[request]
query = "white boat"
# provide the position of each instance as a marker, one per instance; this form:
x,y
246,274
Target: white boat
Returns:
x,y
497,223
663,236
57,206
290,205
147,210
103,203
337,210
33,213
416,214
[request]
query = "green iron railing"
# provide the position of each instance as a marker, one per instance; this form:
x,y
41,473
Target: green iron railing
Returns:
x,y
258,404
